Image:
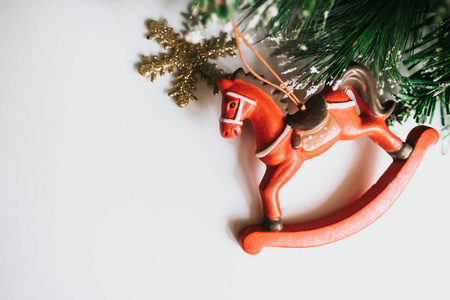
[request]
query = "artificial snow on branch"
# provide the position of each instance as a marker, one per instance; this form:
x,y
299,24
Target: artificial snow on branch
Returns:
x,y
316,40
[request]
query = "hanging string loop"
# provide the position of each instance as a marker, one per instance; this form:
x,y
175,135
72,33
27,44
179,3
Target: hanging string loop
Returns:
x,y
286,89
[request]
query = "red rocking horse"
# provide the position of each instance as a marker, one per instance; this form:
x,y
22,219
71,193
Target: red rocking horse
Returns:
x,y
283,143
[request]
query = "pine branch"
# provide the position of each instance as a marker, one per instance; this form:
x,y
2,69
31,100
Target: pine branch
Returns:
x,y
318,39
373,33
430,84
288,18
206,10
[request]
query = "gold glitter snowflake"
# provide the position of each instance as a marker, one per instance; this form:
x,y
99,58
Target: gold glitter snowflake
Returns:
x,y
185,59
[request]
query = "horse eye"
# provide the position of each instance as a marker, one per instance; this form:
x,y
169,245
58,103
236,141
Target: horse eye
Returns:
x,y
233,104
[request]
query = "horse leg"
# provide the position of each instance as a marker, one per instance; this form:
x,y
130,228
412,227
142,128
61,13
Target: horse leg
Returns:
x,y
273,180
382,136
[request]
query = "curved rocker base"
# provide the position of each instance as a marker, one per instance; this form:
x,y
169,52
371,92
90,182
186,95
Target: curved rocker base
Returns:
x,y
353,218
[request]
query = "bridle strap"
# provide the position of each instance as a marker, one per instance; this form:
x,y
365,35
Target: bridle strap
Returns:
x,y
237,120
242,100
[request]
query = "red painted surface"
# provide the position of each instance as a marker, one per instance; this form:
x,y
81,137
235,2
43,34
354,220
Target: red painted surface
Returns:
x,y
353,218
268,122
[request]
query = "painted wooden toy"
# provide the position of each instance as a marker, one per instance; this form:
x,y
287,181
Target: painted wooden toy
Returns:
x,y
284,142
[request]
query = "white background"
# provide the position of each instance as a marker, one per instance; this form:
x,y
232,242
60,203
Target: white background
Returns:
x,y
109,191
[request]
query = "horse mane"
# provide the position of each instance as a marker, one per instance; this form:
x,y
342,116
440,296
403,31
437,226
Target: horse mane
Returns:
x,y
275,94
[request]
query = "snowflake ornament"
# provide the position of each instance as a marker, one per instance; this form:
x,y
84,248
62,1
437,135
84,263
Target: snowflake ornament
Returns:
x,y
185,59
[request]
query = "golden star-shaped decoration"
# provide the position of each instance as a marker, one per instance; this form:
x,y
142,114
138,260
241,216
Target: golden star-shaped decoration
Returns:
x,y
185,59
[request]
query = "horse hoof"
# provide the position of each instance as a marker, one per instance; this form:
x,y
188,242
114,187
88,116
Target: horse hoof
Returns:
x,y
272,224
401,153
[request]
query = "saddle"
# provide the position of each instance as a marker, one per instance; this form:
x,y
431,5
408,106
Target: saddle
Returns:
x,y
311,117
312,126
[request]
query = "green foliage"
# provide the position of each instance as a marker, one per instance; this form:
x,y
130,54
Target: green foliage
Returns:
x,y
431,83
205,10
293,18
325,36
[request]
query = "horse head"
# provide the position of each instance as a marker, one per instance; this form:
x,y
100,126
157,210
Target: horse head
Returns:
x,y
236,107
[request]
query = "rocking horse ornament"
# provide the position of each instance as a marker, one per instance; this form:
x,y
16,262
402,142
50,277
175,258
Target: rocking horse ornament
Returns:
x,y
283,143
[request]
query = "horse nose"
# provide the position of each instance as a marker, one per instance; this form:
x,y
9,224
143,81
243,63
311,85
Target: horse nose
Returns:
x,y
227,134
224,131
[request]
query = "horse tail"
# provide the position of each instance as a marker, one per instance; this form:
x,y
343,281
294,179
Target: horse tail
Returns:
x,y
361,81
